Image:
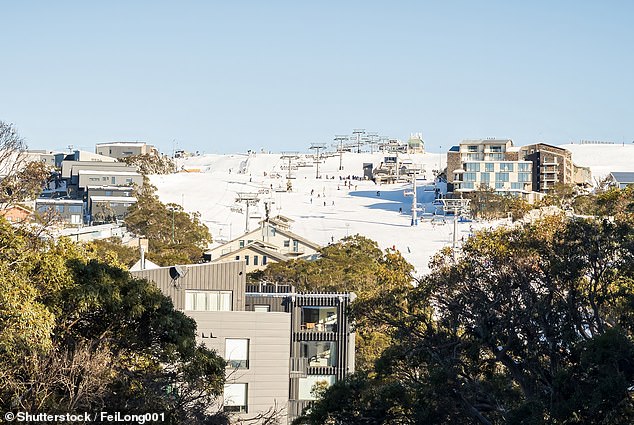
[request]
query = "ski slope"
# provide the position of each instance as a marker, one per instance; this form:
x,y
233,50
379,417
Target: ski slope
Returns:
x,y
334,211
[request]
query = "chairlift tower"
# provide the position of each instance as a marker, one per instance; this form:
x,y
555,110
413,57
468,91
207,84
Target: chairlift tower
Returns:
x,y
291,158
458,206
373,139
358,137
339,145
414,221
249,199
317,147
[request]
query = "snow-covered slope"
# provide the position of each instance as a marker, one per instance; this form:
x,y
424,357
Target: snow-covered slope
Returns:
x,y
603,159
334,210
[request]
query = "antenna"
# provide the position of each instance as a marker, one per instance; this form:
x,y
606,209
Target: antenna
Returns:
x,y
317,147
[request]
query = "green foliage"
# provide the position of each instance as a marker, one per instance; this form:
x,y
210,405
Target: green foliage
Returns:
x,y
175,237
113,252
78,334
489,205
355,264
151,163
531,325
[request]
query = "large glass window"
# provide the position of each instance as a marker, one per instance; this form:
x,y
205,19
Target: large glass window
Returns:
x,y
489,167
74,209
506,166
208,300
235,398
524,177
517,186
485,177
467,185
524,167
472,166
310,386
322,319
469,177
320,353
472,148
501,177
237,352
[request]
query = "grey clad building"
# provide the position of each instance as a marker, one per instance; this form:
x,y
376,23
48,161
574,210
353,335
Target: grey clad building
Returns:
x,y
322,341
254,343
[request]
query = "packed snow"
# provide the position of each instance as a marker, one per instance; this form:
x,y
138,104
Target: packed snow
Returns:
x,y
326,209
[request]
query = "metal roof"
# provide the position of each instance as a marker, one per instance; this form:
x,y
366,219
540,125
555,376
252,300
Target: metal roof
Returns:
x,y
623,176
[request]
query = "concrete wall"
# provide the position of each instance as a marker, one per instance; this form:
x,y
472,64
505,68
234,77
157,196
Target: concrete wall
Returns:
x,y
269,341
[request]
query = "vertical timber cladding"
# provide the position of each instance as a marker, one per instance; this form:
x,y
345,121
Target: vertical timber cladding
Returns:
x,y
340,337
230,276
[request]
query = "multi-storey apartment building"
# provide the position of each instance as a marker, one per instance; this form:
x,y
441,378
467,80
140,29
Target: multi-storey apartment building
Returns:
x,y
322,340
254,343
496,164
489,164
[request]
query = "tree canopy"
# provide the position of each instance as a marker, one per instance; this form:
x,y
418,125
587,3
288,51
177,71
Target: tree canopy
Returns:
x,y
174,236
78,334
530,325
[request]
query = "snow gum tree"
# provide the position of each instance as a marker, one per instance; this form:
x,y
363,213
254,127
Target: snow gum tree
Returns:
x,y
530,325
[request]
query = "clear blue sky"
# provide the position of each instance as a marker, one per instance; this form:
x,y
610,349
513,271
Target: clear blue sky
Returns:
x,y
236,75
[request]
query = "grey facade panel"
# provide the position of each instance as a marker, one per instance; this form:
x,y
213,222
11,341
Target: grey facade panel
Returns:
x,y
228,276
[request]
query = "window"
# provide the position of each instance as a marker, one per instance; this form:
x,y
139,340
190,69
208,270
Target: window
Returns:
x,y
246,259
287,243
505,166
108,192
524,177
309,385
235,397
241,243
264,260
499,185
489,167
74,209
113,181
467,185
472,166
472,148
517,186
485,178
255,260
322,319
496,157
469,177
208,301
237,352
237,257
295,246
249,241
59,208
262,308
496,148
524,167
128,180
104,178
320,353
501,177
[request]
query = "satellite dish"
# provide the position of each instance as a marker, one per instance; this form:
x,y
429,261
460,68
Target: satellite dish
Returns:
x,y
176,272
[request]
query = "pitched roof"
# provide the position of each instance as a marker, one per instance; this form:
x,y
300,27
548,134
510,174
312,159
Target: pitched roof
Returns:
x,y
623,176
260,247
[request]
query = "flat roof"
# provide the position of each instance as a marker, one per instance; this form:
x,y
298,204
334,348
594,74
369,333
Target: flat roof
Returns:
x,y
108,172
130,199
58,201
131,144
